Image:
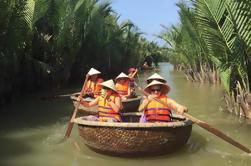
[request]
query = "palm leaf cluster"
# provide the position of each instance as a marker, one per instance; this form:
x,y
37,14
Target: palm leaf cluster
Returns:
x,y
213,37
49,43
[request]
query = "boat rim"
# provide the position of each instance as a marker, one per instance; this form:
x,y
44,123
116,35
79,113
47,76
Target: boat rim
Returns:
x,y
174,124
74,97
132,99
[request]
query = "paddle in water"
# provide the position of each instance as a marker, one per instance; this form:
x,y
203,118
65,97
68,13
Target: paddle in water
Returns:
x,y
59,96
206,126
71,123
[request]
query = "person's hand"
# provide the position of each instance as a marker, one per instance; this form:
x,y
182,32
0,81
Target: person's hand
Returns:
x,y
132,79
151,97
181,110
79,99
103,92
123,98
108,100
88,91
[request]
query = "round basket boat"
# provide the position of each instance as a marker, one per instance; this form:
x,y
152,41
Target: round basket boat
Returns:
x,y
131,138
129,105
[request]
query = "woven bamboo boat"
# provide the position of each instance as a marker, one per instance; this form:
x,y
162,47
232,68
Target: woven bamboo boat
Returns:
x,y
131,138
129,105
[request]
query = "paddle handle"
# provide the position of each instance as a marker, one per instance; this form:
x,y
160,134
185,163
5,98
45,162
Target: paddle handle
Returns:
x,y
58,96
206,126
71,123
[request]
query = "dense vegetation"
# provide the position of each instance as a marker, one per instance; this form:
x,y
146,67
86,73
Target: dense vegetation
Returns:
x,y
51,43
212,43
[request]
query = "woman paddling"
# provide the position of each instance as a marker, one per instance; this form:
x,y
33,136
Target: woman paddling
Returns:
x,y
109,104
153,110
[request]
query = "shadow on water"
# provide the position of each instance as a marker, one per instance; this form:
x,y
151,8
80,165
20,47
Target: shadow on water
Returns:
x,y
196,142
30,123
32,113
18,147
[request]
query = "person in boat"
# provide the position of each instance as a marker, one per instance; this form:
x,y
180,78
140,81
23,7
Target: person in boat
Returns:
x,y
155,111
156,77
93,86
109,104
122,85
132,74
145,65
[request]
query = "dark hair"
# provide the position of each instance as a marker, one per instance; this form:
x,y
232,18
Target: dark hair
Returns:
x,y
104,87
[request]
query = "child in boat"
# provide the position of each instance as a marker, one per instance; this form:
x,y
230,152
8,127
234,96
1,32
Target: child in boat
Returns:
x,y
109,104
122,85
155,111
131,74
93,88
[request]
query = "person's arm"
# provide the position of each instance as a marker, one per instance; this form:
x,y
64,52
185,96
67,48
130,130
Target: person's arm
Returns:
x,y
86,86
133,74
176,106
98,86
143,105
90,104
128,91
116,105
145,102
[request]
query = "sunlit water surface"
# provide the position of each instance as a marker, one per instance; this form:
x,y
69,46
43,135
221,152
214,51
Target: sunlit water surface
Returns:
x,y
31,131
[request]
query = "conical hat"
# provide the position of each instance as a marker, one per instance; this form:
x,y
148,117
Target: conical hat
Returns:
x,y
164,87
122,75
109,84
156,76
93,72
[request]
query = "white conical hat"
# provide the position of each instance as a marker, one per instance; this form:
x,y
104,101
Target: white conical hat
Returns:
x,y
109,84
156,76
93,72
165,88
122,75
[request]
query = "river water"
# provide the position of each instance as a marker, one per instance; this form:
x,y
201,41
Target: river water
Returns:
x,y
31,131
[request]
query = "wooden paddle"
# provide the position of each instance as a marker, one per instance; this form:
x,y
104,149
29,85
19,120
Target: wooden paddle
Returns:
x,y
71,123
59,96
206,126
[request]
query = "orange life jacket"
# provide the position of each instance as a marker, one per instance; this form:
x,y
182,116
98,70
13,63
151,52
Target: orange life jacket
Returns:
x,y
93,87
122,88
105,111
156,112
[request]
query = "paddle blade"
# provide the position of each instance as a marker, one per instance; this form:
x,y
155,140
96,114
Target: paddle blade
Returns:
x,y
218,133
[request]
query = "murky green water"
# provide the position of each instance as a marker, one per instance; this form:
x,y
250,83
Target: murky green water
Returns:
x,y
31,131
